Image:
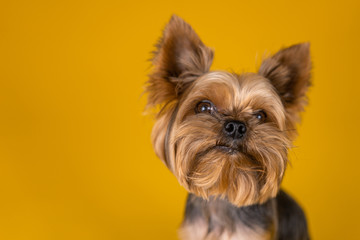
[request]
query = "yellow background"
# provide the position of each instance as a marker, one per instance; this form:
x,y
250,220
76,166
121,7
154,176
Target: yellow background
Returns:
x,y
76,160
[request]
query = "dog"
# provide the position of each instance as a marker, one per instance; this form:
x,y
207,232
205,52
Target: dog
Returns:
x,y
226,136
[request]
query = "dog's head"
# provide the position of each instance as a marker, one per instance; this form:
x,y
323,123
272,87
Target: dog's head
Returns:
x,y
225,134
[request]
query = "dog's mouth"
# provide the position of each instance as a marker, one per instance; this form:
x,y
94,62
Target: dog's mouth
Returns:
x,y
219,147
227,149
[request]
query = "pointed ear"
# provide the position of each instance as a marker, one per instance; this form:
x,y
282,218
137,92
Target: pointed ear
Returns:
x,y
289,72
180,58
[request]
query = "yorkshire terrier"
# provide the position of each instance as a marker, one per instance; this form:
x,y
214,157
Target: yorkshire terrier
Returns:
x,y
225,136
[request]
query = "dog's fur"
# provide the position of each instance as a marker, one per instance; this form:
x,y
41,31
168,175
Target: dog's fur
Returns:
x,y
225,136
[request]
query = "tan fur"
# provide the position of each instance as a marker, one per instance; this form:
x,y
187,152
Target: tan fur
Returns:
x,y
180,58
181,79
238,177
289,71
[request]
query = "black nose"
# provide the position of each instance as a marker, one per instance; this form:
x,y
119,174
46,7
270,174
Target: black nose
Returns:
x,y
235,129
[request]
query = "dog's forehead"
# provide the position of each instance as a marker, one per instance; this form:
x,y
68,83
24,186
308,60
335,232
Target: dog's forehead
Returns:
x,y
234,91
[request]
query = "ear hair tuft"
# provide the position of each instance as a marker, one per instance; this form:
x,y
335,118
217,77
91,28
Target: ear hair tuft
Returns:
x,y
179,59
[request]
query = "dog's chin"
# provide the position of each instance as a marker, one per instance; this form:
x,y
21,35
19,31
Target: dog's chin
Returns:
x,y
228,172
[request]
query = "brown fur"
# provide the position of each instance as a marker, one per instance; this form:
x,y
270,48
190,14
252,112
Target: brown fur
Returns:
x,y
192,145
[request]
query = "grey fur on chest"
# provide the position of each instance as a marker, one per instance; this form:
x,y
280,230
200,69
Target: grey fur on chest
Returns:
x,y
218,219
279,218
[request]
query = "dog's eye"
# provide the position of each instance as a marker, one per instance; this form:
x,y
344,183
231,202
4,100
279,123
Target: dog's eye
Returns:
x,y
260,116
205,106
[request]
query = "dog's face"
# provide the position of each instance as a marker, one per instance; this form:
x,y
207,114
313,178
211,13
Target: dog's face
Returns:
x,y
225,134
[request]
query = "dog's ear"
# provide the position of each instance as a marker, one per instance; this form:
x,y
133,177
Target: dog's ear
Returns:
x,y
179,59
289,72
